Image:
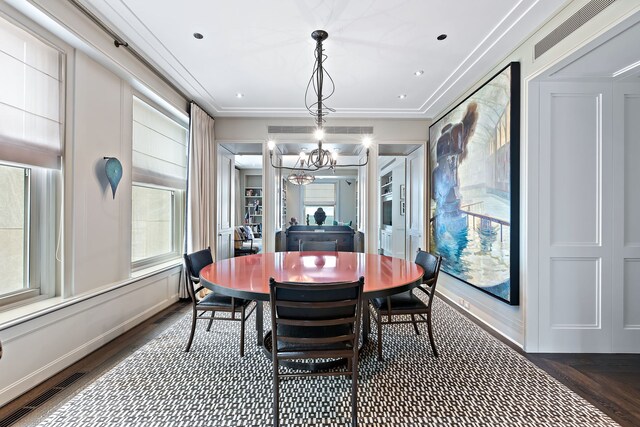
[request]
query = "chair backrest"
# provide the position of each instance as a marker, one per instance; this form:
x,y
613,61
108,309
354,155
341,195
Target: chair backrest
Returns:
x,y
195,262
325,245
309,317
431,265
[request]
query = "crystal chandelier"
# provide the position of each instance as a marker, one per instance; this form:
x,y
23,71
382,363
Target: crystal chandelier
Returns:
x,y
319,158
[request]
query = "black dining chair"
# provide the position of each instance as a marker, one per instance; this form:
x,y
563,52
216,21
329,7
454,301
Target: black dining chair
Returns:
x,y
212,302
325,245
396,307
315,321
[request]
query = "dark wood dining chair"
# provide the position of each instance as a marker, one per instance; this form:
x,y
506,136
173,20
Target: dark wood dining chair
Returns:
x,y
325,245
315,321
212,302
394,309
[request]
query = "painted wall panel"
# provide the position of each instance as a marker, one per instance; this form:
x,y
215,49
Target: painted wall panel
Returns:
x,y
575,168
631,294
631,136
75,331
575,293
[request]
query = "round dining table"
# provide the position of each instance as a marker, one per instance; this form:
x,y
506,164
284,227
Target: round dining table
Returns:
x,y
248,276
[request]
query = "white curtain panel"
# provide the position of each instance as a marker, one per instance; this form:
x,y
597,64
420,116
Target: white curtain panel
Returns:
x,y
200,198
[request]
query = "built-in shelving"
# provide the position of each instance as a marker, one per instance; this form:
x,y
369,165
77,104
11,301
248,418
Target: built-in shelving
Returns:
x,y
253,203
284,222
386,213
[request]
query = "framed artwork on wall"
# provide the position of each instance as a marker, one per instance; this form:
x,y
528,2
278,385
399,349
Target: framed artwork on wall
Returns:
x,y
474,205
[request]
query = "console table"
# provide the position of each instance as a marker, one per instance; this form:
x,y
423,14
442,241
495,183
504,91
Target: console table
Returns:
x,y
343,234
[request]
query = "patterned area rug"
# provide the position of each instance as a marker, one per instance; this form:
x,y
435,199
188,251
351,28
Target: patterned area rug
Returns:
x,y
476,381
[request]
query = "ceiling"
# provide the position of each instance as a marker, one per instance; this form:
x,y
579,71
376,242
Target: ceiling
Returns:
x,y
264,50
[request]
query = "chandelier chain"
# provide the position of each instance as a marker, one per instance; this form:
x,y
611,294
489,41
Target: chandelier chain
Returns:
x,y
319,158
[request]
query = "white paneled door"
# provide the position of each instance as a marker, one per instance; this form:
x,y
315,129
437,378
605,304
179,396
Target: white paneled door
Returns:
x,y
226,193
626,223
589,217
576,213
416,203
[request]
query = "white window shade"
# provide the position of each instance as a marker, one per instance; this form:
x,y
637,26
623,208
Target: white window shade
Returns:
x,y
30,90
320,194
159,148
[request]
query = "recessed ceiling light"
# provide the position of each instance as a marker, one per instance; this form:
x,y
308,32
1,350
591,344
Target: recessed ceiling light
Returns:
x,y
198,36
402,96
418,73
442,37
239,95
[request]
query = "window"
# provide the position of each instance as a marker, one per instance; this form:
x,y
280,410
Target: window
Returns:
x,y
159,182
31,92
319,196
153,228
328,210
13,229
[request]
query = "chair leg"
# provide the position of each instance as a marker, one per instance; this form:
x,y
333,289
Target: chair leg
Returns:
x,y
276,395
193,329
430,329
379,322
354,391
213,313
415,325
242,320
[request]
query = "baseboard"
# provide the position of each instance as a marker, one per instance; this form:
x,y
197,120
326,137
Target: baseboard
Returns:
x,y
483,322
25,384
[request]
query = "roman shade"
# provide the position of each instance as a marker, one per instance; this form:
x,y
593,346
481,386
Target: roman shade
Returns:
x,y
320,194
159,148
30,99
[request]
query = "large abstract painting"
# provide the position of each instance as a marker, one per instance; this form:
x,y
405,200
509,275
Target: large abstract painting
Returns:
x,y
474,158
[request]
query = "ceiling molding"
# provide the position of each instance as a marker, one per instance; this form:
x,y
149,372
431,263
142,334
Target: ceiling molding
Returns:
x,y
510,30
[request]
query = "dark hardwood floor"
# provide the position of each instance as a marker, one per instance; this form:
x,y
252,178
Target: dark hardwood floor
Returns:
x,y
611,382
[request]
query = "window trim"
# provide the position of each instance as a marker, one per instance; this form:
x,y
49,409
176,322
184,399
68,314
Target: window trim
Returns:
x,y
40,227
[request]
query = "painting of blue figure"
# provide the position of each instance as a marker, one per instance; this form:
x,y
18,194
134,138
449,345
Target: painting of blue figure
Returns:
x,y
474,157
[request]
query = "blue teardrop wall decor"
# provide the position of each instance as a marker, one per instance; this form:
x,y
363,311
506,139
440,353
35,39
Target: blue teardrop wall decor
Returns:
x,y
113,168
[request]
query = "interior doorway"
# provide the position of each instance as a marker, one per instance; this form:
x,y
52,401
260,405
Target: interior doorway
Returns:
x,y
240,199
400,204
333,190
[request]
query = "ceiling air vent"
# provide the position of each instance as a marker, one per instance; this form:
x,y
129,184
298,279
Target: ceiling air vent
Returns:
x,y
335,130
576,20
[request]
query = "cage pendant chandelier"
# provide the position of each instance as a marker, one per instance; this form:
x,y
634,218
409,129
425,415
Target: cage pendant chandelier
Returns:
x,y
319,158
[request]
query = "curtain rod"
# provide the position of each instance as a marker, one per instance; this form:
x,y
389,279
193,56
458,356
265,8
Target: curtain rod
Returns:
x,y
119,42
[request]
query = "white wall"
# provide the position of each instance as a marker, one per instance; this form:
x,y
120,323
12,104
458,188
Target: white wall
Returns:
x,y
511,320
101,224
346,200
98,300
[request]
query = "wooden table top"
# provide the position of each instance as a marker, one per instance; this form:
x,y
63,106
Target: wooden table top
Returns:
x,y
248,276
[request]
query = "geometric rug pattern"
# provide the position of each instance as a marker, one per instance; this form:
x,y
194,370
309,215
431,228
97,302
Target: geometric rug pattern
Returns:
x,y
475,381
